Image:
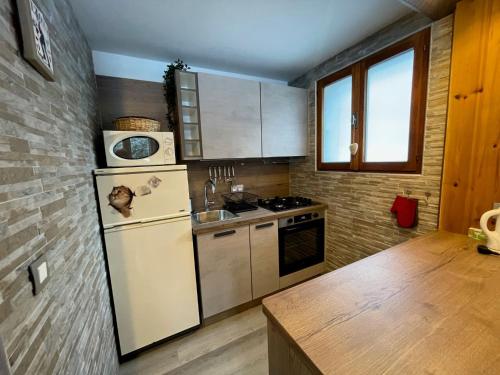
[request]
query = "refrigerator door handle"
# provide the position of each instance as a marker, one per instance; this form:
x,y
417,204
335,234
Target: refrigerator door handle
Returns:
x,y
122,225
134,224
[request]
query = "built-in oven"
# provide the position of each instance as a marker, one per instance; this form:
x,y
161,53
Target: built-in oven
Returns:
x,y
301,242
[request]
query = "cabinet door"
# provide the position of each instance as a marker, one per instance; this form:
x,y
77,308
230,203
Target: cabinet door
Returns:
x,y
230,117
264,253
188,136
224,265
284,120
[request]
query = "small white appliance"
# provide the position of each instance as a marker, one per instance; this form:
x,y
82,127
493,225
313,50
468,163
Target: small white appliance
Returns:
x,y
493,237
136,148
147,230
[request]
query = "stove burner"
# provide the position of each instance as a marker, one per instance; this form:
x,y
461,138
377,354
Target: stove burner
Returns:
x,y
284,203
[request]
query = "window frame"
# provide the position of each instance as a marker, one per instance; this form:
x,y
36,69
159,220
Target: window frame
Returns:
x,y
419,42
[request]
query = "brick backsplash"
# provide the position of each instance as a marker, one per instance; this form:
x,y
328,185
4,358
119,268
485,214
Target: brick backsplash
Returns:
x,y
359,223
47,205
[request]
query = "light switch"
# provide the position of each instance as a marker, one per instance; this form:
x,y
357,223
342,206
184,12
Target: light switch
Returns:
x,y
39,274
42,271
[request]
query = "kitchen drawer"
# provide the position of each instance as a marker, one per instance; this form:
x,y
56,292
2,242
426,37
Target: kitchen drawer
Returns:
x,y
224,267
264,258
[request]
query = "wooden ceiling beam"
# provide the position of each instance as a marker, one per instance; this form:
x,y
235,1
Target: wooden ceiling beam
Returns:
x,y
434,9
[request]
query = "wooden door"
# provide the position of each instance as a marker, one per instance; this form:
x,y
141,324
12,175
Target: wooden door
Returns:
x,y
471,174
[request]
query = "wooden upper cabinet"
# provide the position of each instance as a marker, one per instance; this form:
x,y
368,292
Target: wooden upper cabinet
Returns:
x,y
284,120
230,117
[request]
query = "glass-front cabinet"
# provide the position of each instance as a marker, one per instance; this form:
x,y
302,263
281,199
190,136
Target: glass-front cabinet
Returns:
x,y
189,132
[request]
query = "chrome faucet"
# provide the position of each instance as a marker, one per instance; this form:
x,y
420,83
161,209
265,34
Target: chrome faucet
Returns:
x,y
211,184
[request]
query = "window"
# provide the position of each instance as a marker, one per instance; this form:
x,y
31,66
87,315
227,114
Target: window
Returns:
x,y
370,115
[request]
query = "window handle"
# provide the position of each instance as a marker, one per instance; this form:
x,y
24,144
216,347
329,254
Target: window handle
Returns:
x,y
354,120
353,148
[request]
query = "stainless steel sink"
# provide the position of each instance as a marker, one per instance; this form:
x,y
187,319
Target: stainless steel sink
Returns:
x,y
213,216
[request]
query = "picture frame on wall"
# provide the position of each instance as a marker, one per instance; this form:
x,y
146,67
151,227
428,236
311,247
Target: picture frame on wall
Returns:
x,y
36,40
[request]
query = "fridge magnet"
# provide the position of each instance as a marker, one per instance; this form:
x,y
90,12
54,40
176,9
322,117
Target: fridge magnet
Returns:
x,y
143,190
154,182
120,199
36,40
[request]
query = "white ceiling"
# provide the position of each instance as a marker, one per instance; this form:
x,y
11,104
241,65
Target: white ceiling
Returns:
x,y
279,39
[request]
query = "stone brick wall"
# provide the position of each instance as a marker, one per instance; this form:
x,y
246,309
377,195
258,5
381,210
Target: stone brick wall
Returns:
x,y
47,206
359,221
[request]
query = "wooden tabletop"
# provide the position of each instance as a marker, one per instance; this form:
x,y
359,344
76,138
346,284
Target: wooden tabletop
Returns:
x,y
428,306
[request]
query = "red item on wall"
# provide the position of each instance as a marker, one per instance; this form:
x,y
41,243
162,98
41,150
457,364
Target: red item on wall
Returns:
x,y
406,211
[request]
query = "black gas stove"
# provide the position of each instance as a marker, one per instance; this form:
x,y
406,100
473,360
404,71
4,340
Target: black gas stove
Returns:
x,y
284,203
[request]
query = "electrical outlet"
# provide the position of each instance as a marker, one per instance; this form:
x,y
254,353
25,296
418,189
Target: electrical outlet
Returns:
x,y
39,274
496,205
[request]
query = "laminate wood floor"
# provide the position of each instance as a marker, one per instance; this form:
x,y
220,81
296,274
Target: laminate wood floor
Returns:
x,y
236,345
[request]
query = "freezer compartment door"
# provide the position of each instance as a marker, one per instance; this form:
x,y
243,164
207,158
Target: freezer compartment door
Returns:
x,y
153,281
126,198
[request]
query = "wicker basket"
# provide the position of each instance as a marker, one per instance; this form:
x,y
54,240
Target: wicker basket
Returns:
x,y
137,123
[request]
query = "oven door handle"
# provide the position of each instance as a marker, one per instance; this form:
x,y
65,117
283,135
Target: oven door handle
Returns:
x,y
291,230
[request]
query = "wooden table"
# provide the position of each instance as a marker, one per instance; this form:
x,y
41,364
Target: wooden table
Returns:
x,y
428,306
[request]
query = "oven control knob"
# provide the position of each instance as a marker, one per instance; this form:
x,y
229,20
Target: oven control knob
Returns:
x,y
290,221
315,214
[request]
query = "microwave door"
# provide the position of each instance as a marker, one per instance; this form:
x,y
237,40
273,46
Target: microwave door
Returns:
x,y
131,149
136,147
124,148
126,198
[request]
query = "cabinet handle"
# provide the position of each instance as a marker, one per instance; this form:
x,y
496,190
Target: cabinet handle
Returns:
x,y
262,226
226,233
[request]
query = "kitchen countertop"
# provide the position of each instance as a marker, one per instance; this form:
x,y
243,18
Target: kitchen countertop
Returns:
x,y
429,305
252,217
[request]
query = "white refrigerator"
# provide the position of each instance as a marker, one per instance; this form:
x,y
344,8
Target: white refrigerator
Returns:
x,y
145,214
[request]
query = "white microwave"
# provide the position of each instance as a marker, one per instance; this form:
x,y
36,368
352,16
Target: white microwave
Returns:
x,y
136,148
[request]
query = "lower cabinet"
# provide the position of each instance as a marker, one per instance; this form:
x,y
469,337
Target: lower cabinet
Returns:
x,y
225,271
265,258
237,265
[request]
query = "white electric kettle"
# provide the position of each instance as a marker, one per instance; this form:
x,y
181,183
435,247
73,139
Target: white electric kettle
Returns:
x,y
493,237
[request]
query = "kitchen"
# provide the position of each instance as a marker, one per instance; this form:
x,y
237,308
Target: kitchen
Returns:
x,y
298,201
